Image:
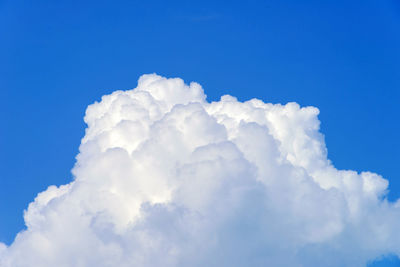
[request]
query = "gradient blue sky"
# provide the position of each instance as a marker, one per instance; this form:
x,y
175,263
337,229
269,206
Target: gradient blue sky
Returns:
x,y
56,57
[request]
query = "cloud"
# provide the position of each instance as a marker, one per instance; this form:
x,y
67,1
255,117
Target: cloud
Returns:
x,y
165,178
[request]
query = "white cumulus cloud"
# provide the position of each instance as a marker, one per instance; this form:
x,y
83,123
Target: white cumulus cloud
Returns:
x,y
165,178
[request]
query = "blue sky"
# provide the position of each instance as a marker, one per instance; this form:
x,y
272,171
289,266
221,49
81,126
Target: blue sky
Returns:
x,y
57,57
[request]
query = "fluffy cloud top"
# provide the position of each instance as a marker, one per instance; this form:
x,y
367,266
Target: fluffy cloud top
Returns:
x,y
165,178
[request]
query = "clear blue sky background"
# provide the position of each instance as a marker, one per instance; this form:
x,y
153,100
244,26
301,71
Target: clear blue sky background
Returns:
x,y
56,57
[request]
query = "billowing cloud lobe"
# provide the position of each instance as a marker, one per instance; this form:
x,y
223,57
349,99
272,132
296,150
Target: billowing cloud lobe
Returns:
x,y
165,178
